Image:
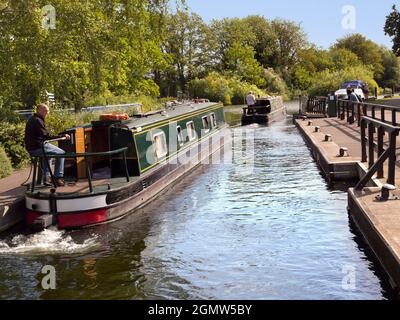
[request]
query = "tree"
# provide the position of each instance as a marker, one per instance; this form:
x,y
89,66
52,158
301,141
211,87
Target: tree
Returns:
x,y
391,74
366,50
289,39
187,42
392,29
265,37
343,58
227,33
240,61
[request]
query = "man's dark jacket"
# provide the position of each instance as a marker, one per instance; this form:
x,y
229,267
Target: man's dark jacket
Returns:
x,y
36,133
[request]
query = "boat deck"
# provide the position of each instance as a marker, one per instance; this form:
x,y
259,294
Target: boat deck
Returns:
x,y
82,186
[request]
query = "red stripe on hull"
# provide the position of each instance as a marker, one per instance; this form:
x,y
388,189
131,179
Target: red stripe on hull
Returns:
x,y
31,216
73,220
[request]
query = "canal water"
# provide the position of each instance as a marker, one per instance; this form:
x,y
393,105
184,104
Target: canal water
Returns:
x,y
277,231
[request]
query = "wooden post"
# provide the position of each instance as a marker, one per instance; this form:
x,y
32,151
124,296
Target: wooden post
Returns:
x,y
392,158
371,155
394,117
363,141
381,134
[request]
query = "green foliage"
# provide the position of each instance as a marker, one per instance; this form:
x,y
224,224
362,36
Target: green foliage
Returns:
x,y
366,50
7,112
217,87
187,41
274,84
214,87
392,29
240,62
108,51
265,37
329,80
344,58
391,64
97,45
289,39
5,164
12,140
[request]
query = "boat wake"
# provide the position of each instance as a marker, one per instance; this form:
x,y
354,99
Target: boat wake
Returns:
x,y
46,242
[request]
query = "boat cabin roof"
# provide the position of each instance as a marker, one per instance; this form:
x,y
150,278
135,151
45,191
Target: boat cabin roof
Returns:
x,y
165,114
142,120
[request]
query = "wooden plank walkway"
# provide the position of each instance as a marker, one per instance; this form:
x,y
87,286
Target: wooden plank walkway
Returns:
x,y
379,222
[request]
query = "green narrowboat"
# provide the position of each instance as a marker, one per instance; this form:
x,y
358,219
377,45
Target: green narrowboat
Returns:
x,y
113,167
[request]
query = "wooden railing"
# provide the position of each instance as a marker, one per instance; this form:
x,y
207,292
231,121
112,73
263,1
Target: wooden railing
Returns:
x,y
375,121
375,126
354,111
317,105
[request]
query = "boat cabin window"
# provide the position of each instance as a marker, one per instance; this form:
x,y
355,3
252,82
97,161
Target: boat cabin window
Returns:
x,y
206,124
213,120
160,145
179,133
190,131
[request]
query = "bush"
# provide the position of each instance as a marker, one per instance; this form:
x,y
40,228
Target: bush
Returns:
x,y
239,91
7,112
5,164
275,84
216,87
330,80
12,139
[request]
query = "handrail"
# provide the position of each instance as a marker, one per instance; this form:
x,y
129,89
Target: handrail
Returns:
x,y
84,155
390,153
352,110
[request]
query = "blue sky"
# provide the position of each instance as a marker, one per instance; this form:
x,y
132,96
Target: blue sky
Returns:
x,y
320,19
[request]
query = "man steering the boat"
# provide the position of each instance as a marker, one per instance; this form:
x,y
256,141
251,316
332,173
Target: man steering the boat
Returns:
x,y
36,135
250,101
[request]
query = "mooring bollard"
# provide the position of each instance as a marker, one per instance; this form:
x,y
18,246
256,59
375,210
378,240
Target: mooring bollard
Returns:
x,y
317,129
386,193
328,138
343,151
310,123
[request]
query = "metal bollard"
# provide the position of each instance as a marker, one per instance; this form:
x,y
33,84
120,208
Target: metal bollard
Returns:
x,y
310,123
343,151
386,193
317,129
328,138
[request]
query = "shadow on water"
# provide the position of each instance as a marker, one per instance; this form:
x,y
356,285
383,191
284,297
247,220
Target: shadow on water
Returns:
x,y
277,231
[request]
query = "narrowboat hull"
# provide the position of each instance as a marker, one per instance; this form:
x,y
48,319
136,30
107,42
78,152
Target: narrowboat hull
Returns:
x,y
265,111
70,211
274,116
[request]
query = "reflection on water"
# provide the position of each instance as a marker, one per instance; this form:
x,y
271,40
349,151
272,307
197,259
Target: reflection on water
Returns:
x,y
277,232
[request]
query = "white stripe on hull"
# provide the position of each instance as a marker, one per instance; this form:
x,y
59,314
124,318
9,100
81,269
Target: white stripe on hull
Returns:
x,y
41,205
68,205
81,204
